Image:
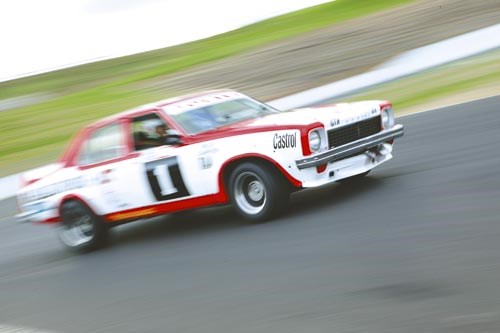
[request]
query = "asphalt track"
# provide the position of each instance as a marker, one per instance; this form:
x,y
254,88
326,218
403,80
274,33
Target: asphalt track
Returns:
x,y
413,248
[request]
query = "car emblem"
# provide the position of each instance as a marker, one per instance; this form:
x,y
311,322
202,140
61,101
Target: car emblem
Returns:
x,y
334,121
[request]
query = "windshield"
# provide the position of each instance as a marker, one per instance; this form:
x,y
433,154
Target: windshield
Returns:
x,y
221,114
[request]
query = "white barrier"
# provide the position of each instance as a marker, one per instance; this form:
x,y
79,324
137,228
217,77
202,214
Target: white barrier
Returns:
x,y
405,64
9,185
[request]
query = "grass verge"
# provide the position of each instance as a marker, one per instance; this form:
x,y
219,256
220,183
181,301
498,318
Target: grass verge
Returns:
x,y
35,134
469,78
169,60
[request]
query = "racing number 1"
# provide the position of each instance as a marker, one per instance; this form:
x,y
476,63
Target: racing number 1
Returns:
x,y
165,179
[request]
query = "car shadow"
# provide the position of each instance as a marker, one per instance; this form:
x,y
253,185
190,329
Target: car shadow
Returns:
x,y
331,195
198,222
181,224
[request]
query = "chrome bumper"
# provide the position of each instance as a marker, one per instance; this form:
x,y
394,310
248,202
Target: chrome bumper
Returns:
x,y
24,217
351,148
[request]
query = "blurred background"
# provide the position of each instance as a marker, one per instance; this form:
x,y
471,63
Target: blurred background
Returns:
x,y
269,59
413,249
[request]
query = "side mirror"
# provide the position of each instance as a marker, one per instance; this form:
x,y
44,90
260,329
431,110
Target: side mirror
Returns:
x,y
173,138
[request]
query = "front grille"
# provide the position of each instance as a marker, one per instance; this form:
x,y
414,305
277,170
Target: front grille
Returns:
x,y
341,136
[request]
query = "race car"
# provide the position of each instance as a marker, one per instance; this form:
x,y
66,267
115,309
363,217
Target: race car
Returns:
x,y
211,148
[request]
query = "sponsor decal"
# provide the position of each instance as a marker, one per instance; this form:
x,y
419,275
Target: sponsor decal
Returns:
x,y
205,156
165,179
283,141
53,189
64,186
133,214
347,121
205,162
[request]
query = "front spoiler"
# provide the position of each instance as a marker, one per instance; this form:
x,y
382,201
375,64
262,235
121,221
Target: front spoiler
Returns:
x,y
351,148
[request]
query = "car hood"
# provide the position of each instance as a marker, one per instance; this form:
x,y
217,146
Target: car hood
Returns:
x,y
330,116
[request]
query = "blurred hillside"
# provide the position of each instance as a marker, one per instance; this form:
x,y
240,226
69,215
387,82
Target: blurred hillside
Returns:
x,y
271,59
335,52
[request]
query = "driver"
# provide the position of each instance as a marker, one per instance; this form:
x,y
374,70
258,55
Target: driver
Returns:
x,y
149,138
161,131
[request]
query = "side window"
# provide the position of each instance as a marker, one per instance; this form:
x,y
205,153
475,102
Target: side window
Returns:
x,y
104,144
148,131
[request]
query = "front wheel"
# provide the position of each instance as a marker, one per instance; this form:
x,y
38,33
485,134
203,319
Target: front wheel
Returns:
x,y
258,192
81,229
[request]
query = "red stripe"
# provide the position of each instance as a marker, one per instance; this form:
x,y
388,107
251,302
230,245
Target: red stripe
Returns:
x,y
164,208
384,104
304,136
149,211
51,220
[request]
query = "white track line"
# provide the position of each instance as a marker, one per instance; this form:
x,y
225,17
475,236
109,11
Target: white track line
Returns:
x,y
18,329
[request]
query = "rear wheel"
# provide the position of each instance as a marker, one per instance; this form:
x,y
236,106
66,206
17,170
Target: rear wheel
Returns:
x,y
81,229
258,192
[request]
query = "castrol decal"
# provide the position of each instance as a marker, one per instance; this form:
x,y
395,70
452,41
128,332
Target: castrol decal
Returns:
x,y
284,141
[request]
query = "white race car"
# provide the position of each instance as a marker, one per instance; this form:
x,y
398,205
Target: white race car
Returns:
x,y
193,151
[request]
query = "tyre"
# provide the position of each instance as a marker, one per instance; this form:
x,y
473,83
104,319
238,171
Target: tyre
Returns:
x,y
355,178
81,230
258,192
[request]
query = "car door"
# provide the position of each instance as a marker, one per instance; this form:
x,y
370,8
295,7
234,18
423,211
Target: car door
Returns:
x,y
163,173
103,162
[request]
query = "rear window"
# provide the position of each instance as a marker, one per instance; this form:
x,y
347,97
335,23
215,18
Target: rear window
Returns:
x,y
104,144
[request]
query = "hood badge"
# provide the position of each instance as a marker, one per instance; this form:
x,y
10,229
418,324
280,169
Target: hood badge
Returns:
x,y
334,121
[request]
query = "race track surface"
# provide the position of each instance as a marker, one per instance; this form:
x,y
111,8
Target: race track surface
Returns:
x,y
413,248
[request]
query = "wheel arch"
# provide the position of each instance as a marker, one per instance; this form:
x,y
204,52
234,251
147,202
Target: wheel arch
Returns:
x,y
71,233
74,197
228,167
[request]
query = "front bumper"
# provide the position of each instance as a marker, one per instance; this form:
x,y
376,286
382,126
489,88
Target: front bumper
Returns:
x,y
351,148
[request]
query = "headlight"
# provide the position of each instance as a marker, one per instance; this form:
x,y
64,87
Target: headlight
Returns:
x,y
314,141
387,118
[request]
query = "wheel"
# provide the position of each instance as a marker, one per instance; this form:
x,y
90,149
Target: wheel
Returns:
x,y
81,230
355,178
258,192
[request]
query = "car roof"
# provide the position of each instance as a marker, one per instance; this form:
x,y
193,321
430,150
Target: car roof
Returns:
x,y
155,105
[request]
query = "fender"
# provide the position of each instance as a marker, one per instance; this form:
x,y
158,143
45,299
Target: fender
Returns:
x,y
67,197
222,191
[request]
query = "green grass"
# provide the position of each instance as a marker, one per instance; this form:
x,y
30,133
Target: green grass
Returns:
x,y
170,60
472,74
35,134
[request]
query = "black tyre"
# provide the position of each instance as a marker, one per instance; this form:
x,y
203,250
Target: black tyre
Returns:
x,y
355,178
258,192
81,230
